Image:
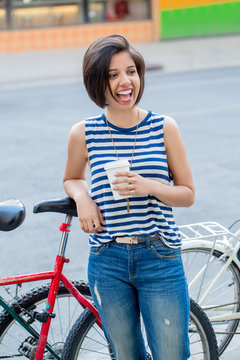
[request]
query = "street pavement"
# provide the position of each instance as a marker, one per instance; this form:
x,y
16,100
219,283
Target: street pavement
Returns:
x,y
42,96
31,68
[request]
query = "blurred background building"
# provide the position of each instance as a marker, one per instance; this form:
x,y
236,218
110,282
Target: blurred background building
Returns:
x,y
50,24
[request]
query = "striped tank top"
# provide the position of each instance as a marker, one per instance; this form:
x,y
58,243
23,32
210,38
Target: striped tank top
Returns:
x,y
147,215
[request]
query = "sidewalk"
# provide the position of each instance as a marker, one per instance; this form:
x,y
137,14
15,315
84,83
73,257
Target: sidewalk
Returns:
x,y
32,68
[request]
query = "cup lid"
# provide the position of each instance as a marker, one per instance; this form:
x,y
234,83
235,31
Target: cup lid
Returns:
x,y
116,163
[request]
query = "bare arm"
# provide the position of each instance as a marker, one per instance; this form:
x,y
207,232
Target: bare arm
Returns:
x,y
75,183
182,191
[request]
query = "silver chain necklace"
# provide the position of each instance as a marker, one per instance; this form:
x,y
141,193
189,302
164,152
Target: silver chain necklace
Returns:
x,y
134,145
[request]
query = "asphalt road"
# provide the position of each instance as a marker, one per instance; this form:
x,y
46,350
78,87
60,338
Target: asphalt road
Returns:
x,y
35,122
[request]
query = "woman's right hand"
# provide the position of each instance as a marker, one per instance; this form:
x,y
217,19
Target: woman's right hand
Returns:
x,y
89,214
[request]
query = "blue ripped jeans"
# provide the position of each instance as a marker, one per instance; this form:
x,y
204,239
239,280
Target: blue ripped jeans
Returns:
x,y
127,280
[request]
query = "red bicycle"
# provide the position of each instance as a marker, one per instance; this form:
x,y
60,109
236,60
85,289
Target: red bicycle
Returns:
x,y
24,326
25,330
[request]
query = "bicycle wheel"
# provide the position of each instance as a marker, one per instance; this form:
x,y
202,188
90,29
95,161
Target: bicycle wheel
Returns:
x,y
15,341
87,341
226,290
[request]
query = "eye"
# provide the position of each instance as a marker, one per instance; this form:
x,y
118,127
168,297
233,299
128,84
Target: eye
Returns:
x,y
112,75
132,72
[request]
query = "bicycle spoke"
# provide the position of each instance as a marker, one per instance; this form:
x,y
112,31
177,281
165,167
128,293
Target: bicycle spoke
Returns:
x,y
225,290
87,341
13,336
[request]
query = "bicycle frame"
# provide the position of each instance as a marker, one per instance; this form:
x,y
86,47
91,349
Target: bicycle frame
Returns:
x,y
228,252
55,276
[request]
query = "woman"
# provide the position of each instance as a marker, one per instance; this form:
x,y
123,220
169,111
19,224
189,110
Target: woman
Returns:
x,y
135,247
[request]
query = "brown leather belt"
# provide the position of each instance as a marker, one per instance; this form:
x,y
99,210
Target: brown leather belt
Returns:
x,y
132,240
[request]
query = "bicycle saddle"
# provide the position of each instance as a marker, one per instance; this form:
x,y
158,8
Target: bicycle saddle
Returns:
x,y
12,214
64,206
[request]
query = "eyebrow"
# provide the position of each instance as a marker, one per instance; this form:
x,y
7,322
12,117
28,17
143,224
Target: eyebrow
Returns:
x,y
130,66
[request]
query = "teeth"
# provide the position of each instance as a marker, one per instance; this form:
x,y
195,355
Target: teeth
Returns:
x,y
125,92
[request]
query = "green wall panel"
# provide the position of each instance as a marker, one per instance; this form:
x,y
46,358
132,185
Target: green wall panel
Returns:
x,y
202,20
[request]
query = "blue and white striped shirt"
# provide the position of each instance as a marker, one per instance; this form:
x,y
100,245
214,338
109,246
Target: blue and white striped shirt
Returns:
x,y
147,215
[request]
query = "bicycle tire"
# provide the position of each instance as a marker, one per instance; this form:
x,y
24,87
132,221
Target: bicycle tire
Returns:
x,y
86,340
226,291
12,335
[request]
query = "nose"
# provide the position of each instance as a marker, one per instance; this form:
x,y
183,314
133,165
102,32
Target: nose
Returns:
x,y
124,79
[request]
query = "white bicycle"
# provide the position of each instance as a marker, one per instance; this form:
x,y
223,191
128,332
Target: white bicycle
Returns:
x,y
211,258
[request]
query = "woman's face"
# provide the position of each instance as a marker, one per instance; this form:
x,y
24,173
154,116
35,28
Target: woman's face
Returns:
x,y
124,82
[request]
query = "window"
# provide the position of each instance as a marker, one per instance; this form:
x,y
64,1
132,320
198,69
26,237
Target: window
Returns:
x,y
3,15
42,13
118,10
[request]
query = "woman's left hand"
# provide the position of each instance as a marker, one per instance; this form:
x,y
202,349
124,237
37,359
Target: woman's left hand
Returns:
x,y
134,184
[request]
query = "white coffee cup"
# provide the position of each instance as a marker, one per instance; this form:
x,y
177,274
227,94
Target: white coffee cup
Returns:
x,y
112,168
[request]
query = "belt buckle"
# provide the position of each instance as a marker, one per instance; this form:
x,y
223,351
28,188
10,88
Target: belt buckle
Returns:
x,y
131,240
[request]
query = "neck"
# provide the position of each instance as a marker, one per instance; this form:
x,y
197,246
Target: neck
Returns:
x,y
124,119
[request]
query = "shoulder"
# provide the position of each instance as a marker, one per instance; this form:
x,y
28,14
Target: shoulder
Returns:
x,y
86,127
171,132
169,121
156,117
77,134
88,122
170,124
78,129
94,121
164,123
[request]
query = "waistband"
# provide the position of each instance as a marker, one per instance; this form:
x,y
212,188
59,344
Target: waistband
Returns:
x,y
132,240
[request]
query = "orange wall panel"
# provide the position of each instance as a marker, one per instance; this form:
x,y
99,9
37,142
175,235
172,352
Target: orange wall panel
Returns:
x,y
180,4
72,36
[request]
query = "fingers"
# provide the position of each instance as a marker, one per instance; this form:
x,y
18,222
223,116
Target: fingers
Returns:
x,y
125,189
100,215
130,183
92,223
124,177
125,173
91,226
124,183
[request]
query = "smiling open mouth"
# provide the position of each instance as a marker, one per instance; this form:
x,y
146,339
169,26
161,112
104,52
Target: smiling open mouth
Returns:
x,y
125,95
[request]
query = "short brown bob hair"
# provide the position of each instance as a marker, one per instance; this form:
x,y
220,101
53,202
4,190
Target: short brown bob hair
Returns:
x,y
96,66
